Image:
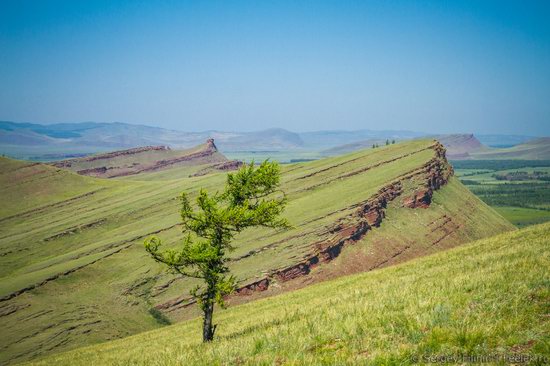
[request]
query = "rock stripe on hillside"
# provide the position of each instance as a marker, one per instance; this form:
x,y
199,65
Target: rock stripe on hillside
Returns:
x,y
435,173
69,162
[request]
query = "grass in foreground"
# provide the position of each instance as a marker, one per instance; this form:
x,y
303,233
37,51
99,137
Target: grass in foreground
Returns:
x,y
488,297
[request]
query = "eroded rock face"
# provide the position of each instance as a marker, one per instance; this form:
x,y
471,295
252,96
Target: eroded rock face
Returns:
x,y
421,199
437,173
211,146
260,285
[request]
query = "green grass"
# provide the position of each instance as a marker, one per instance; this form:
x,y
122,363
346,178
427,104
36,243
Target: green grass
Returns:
x,y
522,202
76,249
490,297
518,194
26,186
460,165
522,217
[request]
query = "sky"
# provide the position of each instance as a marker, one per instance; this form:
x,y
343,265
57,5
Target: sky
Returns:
x,y
431,66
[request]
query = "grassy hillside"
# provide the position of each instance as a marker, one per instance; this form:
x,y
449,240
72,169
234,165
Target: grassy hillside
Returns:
x,y
146,159
460,146
25,186
490,297
74,272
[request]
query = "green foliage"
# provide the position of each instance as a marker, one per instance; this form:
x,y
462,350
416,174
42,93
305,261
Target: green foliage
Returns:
x,y
249,199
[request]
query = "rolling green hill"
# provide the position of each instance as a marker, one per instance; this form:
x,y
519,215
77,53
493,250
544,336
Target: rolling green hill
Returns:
x,y
486,298
74,272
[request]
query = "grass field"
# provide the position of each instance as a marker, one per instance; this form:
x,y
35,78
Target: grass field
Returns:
x,y
523,202
74,272
522,217
490,297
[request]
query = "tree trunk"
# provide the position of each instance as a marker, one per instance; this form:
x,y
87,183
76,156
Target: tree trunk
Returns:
x,y
207,328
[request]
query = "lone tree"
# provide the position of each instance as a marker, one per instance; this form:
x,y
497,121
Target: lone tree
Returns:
x,y
251,198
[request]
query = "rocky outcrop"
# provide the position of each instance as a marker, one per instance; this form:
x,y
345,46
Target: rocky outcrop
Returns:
x,y
421,199
211,146
260,285
437,173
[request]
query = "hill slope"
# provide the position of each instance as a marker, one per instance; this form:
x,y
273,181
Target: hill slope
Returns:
x,y
537,149
486,298
74,271
460,146
146,159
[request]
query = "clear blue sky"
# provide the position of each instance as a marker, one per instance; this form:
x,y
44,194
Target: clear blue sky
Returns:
x,y
433,66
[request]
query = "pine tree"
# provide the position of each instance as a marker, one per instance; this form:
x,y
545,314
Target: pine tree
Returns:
x,y
251,198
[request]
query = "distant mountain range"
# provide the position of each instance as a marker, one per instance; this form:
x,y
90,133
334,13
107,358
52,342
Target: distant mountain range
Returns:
x,y
68,140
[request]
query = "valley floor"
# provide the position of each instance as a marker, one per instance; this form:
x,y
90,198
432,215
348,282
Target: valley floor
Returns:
x,y
519,190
